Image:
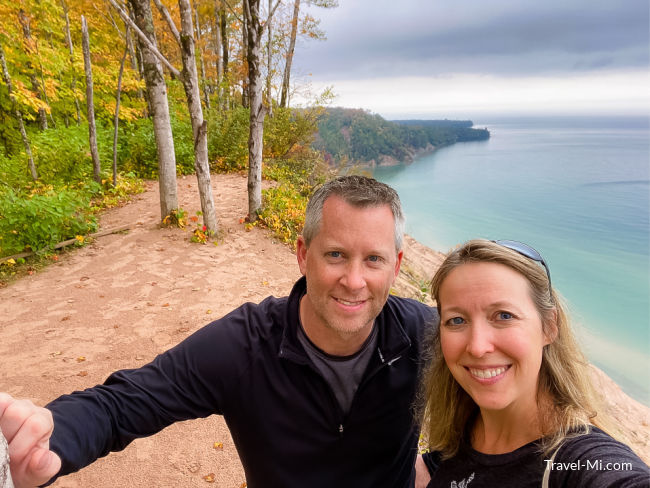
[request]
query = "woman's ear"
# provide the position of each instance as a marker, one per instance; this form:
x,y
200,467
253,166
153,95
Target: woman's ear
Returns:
x,y
550,328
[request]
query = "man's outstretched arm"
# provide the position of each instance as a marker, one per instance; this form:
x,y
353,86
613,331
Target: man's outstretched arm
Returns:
x,y
27,429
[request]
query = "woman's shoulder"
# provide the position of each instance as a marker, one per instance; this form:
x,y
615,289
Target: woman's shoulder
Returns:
x,y
596,459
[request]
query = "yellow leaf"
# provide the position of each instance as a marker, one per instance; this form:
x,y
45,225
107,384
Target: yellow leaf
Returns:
x,y
208,312
210,478
218,445
81,359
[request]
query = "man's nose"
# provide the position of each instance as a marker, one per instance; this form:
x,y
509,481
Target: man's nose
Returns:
x,y
354,278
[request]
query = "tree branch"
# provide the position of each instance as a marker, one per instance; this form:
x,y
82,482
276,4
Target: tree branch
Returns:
x,y
232,11
144,38
170,22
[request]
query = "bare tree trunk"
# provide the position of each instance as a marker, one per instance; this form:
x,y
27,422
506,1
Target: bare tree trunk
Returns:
x,y
68,40
24,22
90,108
199,126
136,60
116,120
157,94
224,90
224,37
204,80
256,133
216,30
18,115
5,473
269,58
284,97
245,99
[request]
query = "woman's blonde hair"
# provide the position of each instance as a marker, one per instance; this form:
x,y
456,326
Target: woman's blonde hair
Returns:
x,y
447,411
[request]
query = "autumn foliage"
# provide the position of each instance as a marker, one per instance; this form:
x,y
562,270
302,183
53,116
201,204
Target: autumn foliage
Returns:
x,y
41,42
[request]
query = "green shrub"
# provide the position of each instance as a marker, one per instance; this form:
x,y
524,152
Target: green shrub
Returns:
x,y
283,206
36,221
290,127
284,211
228,139
137,147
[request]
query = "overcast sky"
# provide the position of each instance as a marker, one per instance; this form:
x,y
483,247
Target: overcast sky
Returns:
x,y
440,58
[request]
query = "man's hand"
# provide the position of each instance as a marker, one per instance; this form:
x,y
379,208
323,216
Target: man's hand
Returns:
x,y
422,476
27,429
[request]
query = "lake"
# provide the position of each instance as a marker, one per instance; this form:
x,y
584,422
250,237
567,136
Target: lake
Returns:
x,y
576,189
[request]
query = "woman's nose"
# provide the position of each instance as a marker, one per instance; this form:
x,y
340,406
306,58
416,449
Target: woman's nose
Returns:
x,y
480,340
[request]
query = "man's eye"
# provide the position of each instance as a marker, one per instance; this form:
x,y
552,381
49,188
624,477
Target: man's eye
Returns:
x,y
373,259
505,316
334,254
455,321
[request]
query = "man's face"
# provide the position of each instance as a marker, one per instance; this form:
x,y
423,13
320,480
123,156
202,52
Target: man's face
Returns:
x,y
350,266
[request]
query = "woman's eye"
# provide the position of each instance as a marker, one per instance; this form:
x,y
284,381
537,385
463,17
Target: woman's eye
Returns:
x,y
505,316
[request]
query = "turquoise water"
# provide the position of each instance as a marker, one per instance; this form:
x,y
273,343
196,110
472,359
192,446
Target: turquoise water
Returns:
x,y
575,189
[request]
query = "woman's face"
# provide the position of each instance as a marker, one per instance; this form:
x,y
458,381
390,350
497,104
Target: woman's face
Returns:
x,y
491,335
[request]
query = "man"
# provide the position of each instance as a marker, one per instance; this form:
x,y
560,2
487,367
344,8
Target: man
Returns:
x,y
316,388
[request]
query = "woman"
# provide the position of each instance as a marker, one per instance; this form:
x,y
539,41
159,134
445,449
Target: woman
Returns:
x,y
507,397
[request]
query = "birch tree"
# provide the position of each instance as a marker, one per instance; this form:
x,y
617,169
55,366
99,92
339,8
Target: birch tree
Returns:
x,y
5,472
68,41
24,20
189,77
90,106
158,104
255,28
284,95
116,118
18,114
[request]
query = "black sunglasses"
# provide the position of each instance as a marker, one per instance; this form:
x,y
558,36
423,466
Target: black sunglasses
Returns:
x,y
529,252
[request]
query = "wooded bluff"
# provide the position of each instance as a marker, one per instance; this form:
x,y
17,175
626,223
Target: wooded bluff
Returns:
x,y
355,136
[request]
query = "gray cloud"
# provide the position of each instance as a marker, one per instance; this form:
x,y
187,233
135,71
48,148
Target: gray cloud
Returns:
x,y
369,38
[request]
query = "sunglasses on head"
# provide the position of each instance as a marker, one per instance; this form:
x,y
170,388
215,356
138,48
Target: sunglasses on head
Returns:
x,y
527,251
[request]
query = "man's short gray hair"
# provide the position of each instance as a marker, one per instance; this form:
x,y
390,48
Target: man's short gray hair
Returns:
x,y
358,191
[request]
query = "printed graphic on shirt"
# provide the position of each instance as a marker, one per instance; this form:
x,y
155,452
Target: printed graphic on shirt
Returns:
x,y
462,484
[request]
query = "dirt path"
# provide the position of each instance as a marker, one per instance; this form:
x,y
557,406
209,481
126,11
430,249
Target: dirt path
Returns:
x,y
123,299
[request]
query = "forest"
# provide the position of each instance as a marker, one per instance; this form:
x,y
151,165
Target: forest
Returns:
x,y
97,95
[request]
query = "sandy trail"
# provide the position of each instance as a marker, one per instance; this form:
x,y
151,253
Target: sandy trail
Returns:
x,y
127,297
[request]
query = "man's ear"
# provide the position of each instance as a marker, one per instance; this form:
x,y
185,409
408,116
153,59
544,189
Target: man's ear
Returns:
x,y
301,254
398,264
550,328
